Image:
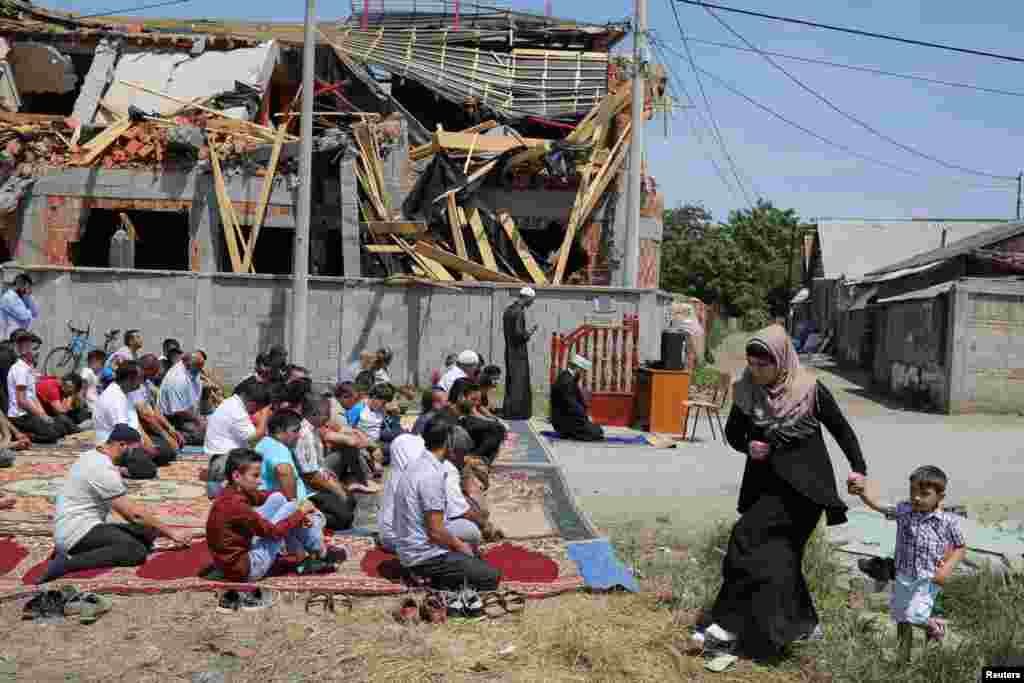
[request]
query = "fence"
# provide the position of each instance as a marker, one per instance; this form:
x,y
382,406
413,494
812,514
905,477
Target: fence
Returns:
x,y
614,351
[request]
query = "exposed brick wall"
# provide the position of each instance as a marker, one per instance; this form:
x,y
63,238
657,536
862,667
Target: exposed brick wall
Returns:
x,y
650,264
598,272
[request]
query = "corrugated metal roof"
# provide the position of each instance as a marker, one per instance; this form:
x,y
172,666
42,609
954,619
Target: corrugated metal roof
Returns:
x,y
966,244
851,249
896,274
926,293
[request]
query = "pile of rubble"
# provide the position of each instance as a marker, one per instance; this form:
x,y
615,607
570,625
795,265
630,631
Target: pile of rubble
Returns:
x,y
453,242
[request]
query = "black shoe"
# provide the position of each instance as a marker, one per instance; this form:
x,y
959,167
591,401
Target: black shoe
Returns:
x,y
713,647
230,602
335,555
878,568
257,600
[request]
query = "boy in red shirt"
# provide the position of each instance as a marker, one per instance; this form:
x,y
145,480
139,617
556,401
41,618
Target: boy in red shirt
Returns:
x,y
250,530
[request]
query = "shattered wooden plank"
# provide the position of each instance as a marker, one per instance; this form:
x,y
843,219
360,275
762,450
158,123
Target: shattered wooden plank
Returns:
x,y
519,245
482,242
404,228
483,144
435,269
383,249
268,186
227,217
99,144
585,204
457,237
424,151
462,265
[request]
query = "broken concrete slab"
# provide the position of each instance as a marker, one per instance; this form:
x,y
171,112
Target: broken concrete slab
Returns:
x,y
101,72
41,68
188,78
868,533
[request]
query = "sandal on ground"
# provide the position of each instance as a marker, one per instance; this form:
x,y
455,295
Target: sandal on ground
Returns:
x,y
434,608
408,612
88,606
494,605
499,603
720,663
49,604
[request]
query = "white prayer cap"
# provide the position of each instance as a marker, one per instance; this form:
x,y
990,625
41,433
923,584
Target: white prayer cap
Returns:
x,y
528,292
468,357
580,362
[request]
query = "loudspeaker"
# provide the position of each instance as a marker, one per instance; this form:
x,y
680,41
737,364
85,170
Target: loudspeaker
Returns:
x,y
673,349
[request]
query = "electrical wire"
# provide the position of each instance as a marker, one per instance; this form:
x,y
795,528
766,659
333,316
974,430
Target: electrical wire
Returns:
x,y
857,32
707,103
127,10
694,128
821,138
863,69
845,114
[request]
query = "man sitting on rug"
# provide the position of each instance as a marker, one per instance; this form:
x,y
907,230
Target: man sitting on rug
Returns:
x,y
405,449
568,408
63,397
380,427
346,458
90,375
180,394
487,433
425,546
432,402
239,422
24,409
466,364
155,427
250,530
117,405
130,351
83,537
337,506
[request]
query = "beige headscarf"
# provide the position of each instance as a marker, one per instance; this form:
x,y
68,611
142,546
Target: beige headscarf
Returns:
x,y
784,404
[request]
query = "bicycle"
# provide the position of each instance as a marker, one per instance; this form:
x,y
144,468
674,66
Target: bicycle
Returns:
x,y
63,359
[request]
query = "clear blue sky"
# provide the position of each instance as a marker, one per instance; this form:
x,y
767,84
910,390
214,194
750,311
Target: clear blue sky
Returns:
x,y
968,128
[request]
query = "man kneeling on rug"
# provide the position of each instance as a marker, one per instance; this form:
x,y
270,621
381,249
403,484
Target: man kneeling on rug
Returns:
x,y
249,530
83,537
568,407
425,546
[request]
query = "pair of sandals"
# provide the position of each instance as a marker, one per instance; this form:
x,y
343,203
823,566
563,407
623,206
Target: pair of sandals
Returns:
x,y
66,602
327,602
437,606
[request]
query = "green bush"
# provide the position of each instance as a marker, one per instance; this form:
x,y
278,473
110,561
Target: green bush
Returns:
x,y
755,319
704,375
716,334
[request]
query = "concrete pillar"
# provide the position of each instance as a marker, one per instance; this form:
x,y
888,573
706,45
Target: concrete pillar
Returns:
x,y
101,72
351,250
958,350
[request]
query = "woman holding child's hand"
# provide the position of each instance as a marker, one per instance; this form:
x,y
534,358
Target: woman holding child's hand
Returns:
x,y
776,419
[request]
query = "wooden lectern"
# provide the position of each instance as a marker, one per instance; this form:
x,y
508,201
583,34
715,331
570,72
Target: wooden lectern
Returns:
x,y
660,395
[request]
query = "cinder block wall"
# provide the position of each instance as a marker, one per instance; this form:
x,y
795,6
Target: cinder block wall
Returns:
x,y
233,317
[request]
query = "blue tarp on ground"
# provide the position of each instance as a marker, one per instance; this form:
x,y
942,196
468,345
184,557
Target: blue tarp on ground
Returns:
x,y
600,568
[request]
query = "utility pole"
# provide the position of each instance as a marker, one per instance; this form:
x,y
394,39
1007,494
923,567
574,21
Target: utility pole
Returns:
x,y
300,271
636,148
1020,180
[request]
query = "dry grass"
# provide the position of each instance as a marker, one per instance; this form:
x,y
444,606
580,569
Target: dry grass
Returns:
x,y
579,637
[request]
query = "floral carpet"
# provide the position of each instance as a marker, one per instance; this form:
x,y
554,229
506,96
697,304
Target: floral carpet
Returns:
x,y
527,498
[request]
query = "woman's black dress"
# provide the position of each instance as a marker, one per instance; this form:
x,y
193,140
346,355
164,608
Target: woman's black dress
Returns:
x,y
764,597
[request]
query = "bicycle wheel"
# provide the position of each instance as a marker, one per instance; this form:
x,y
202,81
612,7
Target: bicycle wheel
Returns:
x,y
59,361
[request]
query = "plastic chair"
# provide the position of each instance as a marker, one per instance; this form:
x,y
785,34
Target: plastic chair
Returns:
x,y
714,408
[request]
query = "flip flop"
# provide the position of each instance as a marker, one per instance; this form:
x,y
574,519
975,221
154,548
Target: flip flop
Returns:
x,y
88,606
408,612
721,663
494,606
434,609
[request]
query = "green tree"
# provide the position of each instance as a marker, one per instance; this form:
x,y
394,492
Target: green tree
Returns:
x,y
743,264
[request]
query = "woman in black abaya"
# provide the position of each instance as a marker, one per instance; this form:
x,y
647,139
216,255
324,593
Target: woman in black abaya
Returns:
x,y
776,420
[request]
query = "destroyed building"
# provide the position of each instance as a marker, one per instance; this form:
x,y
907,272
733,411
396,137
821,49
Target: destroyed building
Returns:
x,y
474,150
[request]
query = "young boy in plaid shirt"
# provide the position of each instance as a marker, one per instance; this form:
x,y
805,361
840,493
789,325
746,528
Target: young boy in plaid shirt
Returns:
x,y
929,545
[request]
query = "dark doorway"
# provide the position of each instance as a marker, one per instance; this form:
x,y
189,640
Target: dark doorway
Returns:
x,y
162,239
274,251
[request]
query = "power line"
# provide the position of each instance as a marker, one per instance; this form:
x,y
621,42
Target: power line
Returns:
x,y
681,86
866,126
126,10
858,32
852,152
864,69
707,103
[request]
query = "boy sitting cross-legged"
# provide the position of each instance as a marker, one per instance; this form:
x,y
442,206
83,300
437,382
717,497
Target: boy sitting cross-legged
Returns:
x,y
249,530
